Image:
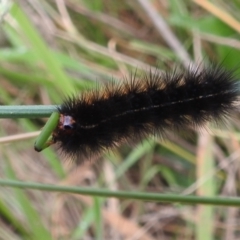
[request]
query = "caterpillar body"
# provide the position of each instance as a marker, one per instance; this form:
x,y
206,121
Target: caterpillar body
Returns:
x,y
101,119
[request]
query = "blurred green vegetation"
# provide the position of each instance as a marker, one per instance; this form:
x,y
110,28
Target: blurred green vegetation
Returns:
x,y
50,49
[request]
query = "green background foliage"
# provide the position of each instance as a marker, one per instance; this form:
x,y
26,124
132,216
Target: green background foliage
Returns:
x,y
51,49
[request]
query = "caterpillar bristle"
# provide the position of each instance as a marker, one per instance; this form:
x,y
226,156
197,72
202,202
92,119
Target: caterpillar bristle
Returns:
x,y
130,111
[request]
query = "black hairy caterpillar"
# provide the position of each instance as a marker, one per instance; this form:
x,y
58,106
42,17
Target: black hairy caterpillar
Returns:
x,y
101,119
